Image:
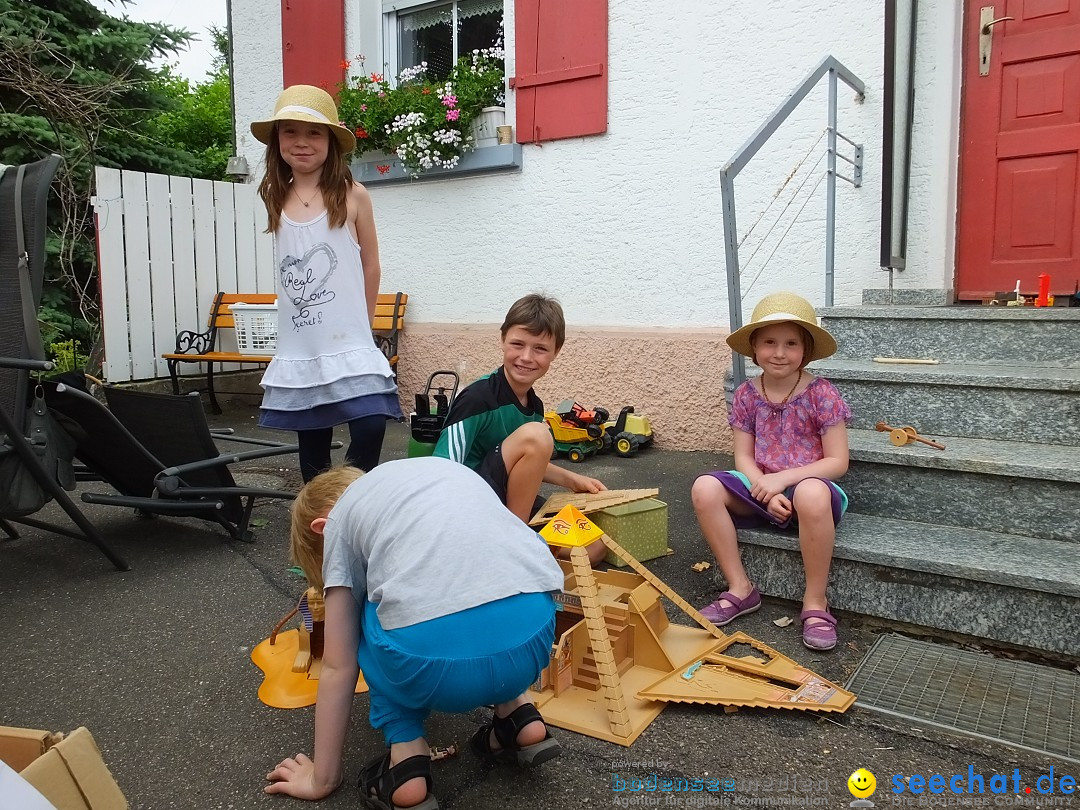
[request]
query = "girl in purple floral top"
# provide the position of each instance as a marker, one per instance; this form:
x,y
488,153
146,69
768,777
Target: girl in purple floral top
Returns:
x,y
790,436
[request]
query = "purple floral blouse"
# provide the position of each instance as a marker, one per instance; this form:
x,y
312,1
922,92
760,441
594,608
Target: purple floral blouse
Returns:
x,y
788,436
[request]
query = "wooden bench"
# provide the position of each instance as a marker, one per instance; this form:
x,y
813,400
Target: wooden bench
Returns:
x,y
203,347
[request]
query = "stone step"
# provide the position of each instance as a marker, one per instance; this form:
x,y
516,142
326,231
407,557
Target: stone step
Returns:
x,y
1021,403
1015,590
996,485
958,334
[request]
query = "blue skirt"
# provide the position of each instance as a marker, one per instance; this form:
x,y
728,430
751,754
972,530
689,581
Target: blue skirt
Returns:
x,y
331,414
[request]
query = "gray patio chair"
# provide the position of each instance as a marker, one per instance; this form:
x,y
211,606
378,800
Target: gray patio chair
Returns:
x,y
24,194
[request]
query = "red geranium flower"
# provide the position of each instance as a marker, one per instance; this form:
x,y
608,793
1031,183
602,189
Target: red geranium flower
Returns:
x,y
345,64
383,168
361,132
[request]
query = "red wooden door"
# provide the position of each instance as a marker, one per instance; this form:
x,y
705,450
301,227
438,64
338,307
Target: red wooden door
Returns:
x,y
1019,209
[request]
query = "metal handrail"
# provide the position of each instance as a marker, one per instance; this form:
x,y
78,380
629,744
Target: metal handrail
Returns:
x,y
742,156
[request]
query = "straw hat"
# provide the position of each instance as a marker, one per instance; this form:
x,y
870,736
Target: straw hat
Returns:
x,y
302,102
783,307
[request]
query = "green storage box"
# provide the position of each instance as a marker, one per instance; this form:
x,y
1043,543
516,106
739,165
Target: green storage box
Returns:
x,y
641,527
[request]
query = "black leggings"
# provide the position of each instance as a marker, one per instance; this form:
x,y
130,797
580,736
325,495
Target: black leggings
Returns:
x,y
365,445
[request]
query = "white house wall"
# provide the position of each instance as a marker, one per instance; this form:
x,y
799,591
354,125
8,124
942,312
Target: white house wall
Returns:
x,y
625,228
934,143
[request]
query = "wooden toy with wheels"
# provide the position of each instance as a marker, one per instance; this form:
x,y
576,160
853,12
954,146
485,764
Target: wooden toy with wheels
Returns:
x,y
906,435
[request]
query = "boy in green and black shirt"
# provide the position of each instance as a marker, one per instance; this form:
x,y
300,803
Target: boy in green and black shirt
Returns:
x,y
496,424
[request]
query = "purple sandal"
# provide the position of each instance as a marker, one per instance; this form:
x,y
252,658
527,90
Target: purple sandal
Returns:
x,y
820,635
720,614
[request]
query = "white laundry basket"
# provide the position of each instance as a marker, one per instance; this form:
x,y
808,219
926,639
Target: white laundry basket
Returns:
x,y
256,327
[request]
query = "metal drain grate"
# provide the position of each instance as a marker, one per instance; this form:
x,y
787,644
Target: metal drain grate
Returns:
x,y
1013,702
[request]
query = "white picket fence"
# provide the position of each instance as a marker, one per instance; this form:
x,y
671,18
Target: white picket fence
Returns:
x,y
166,245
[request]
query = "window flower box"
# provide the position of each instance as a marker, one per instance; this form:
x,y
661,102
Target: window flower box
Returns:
x,y
377,168
426,124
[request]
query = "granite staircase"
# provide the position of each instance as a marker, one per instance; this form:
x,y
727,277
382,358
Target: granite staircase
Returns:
x,y
982,538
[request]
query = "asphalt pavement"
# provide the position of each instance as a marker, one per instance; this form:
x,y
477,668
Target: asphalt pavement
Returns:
x,y
155,662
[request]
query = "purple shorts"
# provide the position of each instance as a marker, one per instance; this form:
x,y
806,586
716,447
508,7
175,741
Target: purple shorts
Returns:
x,y
734,484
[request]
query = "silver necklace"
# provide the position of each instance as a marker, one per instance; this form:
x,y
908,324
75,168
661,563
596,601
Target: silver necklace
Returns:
x,y
306,203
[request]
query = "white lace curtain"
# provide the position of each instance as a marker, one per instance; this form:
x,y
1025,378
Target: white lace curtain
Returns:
x,y
443,15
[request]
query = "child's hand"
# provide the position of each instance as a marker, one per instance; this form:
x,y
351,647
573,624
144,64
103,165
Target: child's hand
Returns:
x,y
296,777
779,507
582,483
768,487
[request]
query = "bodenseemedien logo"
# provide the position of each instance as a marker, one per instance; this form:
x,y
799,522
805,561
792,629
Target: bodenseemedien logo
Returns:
x,y
862,785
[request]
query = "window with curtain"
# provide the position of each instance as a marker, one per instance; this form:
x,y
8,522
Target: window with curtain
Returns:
x,y
438,34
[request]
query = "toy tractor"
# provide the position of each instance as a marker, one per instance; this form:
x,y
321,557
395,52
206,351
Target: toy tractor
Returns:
x,y
577,432
628,433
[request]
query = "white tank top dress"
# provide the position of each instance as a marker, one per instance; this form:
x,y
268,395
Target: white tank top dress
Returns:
x,y
327,369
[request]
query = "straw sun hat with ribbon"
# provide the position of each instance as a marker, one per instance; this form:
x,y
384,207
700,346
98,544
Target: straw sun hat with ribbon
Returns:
x,y
302,102
783,307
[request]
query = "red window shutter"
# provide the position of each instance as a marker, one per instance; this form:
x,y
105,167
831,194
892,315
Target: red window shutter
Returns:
x,y
313,43
561,49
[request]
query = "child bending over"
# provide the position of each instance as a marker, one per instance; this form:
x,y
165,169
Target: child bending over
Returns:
x,y
443,599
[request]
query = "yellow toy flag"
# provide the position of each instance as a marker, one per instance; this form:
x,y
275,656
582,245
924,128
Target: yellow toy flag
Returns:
x,y
570,528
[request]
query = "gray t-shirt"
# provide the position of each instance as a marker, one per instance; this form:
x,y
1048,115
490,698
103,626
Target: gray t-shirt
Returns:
x,y
427,537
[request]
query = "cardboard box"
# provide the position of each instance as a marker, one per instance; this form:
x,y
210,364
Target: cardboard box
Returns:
x,y
17,794
68,771
641,527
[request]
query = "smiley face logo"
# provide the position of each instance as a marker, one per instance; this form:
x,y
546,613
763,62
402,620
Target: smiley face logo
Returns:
x,y
861,783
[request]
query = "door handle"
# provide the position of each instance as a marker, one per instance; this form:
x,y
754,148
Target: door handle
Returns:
x,y
988,25
986,37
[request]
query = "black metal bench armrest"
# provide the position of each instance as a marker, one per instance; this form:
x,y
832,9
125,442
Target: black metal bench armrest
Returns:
x,y
387,345
188,342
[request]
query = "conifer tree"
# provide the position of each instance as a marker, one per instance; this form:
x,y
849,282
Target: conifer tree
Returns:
x,y
79,82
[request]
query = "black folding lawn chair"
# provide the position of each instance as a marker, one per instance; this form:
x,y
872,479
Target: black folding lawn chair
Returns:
x,y
160,457
155,450
24,194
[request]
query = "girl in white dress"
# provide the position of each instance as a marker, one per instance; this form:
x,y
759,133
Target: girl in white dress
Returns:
x,y
327,370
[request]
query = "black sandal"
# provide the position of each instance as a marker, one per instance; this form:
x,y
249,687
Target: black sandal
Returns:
x,y
506,733
378,781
